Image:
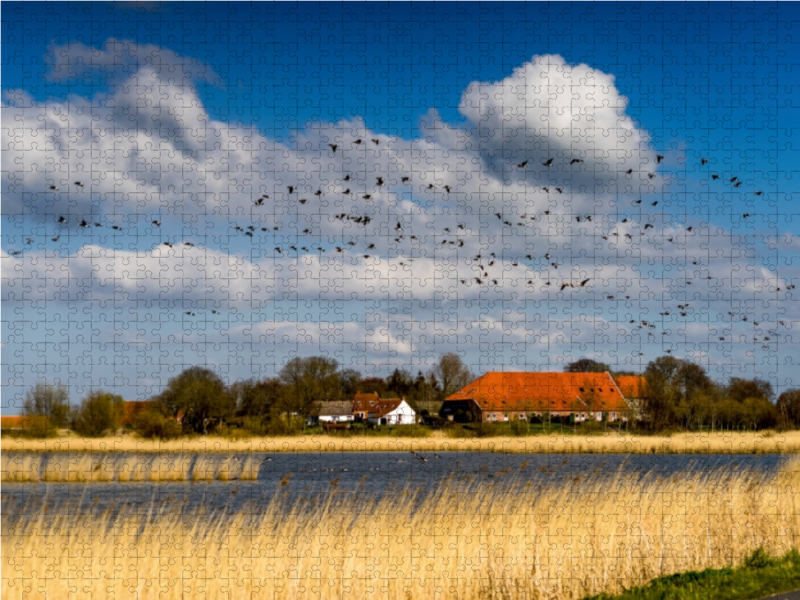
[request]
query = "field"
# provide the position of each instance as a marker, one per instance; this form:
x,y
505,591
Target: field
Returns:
x,y
566,542
749,442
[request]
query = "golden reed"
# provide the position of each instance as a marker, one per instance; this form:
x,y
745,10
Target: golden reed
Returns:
x,y
513,541
744,442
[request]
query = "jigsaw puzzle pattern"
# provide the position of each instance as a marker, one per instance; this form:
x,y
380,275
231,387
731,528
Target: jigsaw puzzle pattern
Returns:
x,y
183,209
523,185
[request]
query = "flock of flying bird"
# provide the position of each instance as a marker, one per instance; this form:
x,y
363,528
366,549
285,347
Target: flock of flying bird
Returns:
x,y
483,263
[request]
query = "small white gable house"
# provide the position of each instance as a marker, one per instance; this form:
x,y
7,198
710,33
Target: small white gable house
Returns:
x,y
394,411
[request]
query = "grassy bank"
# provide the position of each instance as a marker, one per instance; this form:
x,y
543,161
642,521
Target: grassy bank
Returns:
x,y
758,576
560,542
758,442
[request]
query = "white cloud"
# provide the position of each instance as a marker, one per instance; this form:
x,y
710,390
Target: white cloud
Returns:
x,y
151,150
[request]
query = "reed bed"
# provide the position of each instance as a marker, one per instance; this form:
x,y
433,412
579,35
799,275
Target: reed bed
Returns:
x,y
105,467
518,542
728,442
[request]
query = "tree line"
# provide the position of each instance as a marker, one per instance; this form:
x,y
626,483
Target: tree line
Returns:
x,y
676,395
204,404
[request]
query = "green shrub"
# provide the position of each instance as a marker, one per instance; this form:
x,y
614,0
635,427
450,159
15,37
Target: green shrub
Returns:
x,y
98,413
759,559
458,432
155,422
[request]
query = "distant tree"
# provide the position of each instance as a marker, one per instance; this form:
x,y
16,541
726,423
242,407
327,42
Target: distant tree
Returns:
x,y
201,397
586,365
424,389
373,385
349,380
660,402
47,407
742,389
789,409
98,413
758,413
451,374
156,421
400,382
255,398
691,379
309,380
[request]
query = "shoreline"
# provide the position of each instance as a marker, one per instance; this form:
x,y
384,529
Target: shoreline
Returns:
x,y
762,442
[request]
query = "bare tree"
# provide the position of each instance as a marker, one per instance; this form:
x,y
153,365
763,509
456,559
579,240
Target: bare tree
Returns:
x,y
451,373
50,402
308,380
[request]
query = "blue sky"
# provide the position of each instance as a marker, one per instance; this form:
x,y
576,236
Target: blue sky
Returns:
x,y
185,113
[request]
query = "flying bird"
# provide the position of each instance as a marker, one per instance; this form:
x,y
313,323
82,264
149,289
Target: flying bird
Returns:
x,y
548,162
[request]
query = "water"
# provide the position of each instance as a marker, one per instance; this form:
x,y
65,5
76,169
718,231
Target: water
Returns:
x,y
361,476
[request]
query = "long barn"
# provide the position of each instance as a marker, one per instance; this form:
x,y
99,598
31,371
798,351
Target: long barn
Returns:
x,y
498,396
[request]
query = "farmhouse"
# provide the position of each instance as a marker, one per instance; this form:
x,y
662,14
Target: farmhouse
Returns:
x,y
393,411
334,411
519,396
633,388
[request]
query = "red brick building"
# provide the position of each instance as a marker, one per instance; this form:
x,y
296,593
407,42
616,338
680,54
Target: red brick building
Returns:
x,y
498,396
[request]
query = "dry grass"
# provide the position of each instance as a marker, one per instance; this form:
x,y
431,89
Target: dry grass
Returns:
x,y
560,542
104,467
759,442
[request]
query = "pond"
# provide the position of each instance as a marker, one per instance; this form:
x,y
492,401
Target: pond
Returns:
x,y
358,477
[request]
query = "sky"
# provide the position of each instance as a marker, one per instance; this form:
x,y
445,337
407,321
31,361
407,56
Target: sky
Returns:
x,y
523,149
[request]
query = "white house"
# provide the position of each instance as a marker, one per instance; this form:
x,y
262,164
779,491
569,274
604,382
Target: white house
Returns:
x,y
338,411
394,411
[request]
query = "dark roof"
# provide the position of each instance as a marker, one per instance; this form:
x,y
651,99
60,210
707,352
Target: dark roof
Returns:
x,y
333,408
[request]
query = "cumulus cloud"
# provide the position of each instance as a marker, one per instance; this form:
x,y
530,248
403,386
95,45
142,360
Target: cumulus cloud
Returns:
x,y
472,251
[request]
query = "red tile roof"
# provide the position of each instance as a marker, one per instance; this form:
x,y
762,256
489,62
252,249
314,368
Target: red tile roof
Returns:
x,y
372,406
565,392
361,396
631,386
11,421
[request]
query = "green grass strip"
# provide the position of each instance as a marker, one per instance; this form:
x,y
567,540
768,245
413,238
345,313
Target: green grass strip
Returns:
x,y
759,576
